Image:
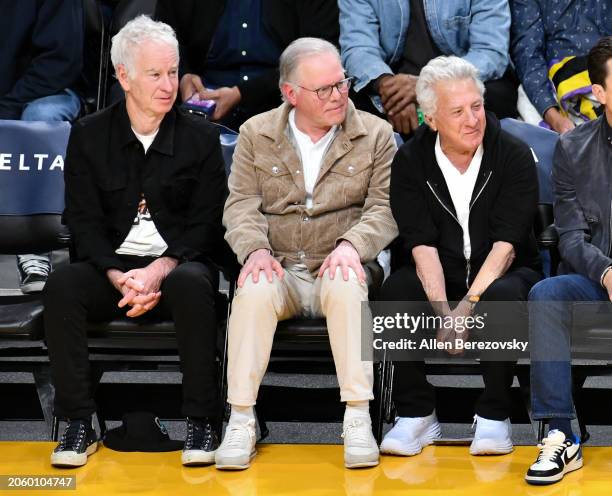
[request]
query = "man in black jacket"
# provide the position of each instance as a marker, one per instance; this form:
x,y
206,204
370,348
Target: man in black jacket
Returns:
x,y
230,48
41,58
145,188
582,184
464,195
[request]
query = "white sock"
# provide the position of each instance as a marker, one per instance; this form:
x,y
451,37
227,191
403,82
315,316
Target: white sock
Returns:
x,y
241,414
357,409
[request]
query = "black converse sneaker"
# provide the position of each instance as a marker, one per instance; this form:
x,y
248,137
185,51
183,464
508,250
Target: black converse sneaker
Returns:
x,y
78,442
201,443
33,272
557,456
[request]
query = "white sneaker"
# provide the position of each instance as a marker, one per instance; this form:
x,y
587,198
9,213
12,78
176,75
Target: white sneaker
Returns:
x,y
557,457
410,435
360,447
238,446
492,437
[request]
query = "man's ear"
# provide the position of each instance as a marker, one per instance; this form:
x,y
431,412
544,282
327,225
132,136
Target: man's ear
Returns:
x,y
122,77
431,122
599,92
290,92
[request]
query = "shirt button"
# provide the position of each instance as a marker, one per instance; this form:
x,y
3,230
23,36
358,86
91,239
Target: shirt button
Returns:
x,y
351,169
297,171
306,219
245,25
275,169
243,53
246,78
301,254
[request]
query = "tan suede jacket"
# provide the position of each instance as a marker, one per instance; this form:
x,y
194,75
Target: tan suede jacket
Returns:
x,y
266,205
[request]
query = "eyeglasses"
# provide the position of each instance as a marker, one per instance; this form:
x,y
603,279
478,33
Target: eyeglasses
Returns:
x,y
324,92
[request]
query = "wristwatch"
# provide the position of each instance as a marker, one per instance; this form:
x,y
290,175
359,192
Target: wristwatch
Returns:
x,y
472,300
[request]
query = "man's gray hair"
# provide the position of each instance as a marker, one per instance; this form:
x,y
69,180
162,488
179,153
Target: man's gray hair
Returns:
x,y
136,32
297,51
443,69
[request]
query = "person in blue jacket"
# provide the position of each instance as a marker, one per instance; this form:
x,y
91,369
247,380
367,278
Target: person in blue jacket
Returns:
x,y
41,57
386,43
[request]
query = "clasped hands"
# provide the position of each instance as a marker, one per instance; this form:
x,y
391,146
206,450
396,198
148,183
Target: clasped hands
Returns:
x,y
140,288
450,334
344,256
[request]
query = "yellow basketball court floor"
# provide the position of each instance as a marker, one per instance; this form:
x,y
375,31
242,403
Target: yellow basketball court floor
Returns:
x,y
307,470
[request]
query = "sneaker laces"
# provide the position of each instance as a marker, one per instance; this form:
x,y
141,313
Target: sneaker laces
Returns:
x,y
196,434
238,434
354,431
549,450
73,434
36,266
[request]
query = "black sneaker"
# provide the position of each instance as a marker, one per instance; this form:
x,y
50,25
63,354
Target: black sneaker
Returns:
x,y
33,272
201,443
78,442
557,457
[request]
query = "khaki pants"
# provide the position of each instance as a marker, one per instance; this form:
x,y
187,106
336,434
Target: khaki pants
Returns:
x,y
257,308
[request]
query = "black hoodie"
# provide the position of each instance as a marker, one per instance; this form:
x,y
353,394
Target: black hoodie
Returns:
x,y
503,204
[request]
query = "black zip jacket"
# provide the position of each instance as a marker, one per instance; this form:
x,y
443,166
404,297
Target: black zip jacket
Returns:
x,y
502,208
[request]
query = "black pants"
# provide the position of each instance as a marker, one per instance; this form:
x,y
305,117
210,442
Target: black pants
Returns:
x,y
413,395
77,293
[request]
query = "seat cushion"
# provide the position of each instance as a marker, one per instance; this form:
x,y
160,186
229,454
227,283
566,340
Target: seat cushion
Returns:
x,y
21,317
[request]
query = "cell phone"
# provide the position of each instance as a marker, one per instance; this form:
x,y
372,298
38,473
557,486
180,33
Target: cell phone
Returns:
x,y
204,108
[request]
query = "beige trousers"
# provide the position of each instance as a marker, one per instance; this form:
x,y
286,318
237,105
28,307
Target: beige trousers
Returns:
x,y
257,308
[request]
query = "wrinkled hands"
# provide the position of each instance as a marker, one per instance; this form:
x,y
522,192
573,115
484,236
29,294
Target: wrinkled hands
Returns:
x,y
451,334
226,98
140,287
346,257
257,261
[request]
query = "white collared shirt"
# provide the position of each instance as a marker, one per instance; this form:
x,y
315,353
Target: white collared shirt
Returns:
x,y
461,187
143,238
311,154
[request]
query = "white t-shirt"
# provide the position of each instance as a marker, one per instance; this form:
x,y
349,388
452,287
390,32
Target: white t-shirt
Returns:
x,y
461,187
143,238
311,153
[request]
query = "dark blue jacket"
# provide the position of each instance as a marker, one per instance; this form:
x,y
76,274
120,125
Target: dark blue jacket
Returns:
x,y
41,50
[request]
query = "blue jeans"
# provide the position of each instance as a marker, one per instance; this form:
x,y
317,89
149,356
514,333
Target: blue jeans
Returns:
x,y
64,106
549,340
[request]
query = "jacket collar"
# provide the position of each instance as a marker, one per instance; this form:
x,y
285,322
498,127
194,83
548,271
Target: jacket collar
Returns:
x,y
164,141
276,128
433,174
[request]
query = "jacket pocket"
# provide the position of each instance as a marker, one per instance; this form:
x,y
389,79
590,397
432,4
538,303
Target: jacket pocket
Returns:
x,y
177,191
351,177
275,182
457,33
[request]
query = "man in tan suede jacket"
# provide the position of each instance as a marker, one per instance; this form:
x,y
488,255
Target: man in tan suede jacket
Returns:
x,y
308,205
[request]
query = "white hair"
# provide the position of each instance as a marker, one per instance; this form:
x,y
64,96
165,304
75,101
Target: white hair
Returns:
x,y
443,69
297,51
136,32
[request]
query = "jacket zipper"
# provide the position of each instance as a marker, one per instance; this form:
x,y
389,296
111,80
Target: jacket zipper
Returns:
x,y
468,262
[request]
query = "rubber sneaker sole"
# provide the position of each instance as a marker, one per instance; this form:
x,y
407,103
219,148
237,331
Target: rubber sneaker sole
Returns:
x,y
71,458
192,458
235,462
391,446
535,480
486,446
